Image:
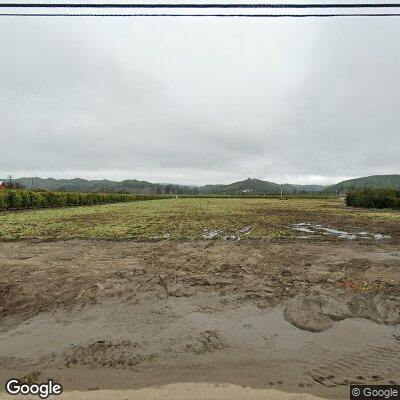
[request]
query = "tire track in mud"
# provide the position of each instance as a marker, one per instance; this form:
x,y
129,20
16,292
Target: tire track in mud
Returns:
x,y
372,364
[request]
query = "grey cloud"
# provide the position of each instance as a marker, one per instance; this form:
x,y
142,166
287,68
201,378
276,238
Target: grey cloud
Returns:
x,y
199,101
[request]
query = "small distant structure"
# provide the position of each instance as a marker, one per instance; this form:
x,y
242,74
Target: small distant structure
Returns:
x,y
3,186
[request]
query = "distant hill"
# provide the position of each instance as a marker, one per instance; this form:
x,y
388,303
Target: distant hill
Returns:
x,y
253,186
374,181
247,186
258,187
289,188
83,185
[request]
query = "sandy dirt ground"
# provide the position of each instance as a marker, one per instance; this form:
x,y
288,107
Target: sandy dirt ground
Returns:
x,y
182,391
286,316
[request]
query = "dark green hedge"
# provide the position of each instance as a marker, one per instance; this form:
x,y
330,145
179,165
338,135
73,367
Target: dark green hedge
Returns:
x,y
18,199
374,198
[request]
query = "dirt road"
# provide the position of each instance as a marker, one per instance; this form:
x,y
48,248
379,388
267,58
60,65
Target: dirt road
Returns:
x,y
126,315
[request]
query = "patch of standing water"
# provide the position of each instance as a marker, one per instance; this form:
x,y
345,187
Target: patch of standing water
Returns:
x,y
308,227
339,234
236,235
210,234
379,236
246,230
301,229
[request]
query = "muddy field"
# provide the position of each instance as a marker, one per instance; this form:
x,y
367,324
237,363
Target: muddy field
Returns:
x,y
293,296
202,218
294,315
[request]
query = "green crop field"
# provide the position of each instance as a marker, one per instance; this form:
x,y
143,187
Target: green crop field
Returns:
x,y
189,218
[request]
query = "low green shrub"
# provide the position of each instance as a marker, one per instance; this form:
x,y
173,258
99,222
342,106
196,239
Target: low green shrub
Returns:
x,y
3,200
21,199
374,198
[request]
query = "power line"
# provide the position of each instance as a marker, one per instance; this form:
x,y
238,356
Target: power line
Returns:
x,y
204,6
206,15
199,6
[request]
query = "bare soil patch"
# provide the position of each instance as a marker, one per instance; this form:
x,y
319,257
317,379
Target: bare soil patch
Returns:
x,y
124,314
37,277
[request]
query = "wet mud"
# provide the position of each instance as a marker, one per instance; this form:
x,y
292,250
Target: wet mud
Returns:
x,y
291,316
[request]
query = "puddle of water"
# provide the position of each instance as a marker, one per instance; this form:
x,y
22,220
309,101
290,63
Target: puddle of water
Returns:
x,y
210,234
338,233
379,236
308,227
213,234
249,336
246,230
301,229
243,327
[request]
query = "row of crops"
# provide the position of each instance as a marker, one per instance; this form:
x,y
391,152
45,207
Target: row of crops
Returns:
x,y
374,198
22,199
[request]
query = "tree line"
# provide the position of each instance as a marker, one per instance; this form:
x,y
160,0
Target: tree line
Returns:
x,y
22,199
374,198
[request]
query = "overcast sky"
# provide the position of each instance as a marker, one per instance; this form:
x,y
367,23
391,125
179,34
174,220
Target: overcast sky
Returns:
x,y
199,101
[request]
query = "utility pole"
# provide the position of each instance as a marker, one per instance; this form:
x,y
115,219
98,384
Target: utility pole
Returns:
x,y
281,190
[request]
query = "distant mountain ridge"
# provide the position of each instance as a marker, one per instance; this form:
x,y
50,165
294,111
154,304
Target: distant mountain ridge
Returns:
x,y
103,185
247,186
373,181
258,187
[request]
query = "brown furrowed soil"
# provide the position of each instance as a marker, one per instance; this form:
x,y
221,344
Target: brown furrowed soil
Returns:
x,y
295,315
